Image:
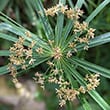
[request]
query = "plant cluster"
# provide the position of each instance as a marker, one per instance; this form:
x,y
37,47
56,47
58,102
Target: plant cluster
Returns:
x,y
58,52
59,47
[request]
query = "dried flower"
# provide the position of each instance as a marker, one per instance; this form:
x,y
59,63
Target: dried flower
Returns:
x,y
66,95
91,33
83,40
31,61
32,44
72,45
39,79
55,71
93,81
70,13
52,11
39,50
82,90
50,42
24,67
63,8
57,54
51,64
28,53
69,54
86,47
62,103
28,34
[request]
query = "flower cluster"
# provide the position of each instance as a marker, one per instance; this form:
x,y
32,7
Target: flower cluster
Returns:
x,y
65,92
55,9
57,54
60,8
39,79
22,56
93,81
17,57
80,33
19,54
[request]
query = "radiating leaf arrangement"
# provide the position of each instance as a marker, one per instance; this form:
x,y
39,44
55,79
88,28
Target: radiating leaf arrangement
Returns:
x,y
58,49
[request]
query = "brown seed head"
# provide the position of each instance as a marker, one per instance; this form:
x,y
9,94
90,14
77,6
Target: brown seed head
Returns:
x,y
57,54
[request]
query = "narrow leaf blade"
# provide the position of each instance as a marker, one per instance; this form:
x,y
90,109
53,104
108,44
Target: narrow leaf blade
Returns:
x,y
4,53
97,10
92,67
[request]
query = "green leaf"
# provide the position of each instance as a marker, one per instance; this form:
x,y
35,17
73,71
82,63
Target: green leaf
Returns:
x,y
11,38
8,37
66,31
99,100
31,13
12,28
4,70
44,20
99,40
92,3
79,3
3,4
92,67
5,18
4,53
16,28
97,10
59,25
20,32
85,104
17,14
71,3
